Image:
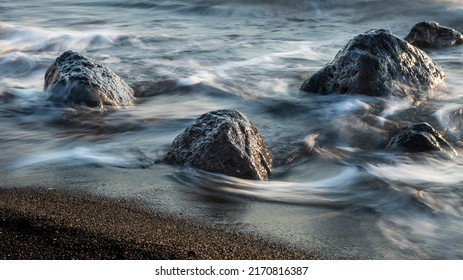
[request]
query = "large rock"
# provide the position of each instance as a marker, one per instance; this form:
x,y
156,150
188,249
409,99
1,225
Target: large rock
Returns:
x,y
430,34
76,79
377,63
223,141
420,137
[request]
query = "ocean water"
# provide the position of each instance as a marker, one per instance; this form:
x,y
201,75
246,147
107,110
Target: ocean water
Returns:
x,y
335,191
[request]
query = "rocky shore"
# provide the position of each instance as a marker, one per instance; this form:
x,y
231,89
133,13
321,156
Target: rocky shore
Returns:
x,y
49,224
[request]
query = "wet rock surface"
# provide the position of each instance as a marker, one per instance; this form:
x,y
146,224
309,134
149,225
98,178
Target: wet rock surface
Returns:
x,y
430,34
420,137
223,141
377,63
76,79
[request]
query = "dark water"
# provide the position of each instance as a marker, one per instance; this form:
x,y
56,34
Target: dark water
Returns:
x,y
335,191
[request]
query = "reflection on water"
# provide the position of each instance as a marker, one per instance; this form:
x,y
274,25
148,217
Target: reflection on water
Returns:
x,y
334,190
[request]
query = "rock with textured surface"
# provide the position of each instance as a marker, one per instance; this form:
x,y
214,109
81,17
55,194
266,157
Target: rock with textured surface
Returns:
x,y
430,34
76,79
377,63
223,141
420,137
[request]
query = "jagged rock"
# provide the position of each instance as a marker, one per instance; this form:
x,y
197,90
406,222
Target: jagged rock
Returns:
x,y
76,79
420,137
430,34
223,141
377,63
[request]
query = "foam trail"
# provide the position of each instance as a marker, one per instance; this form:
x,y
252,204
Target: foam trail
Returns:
x,y
317,191
15,38
430,171
75,156
395,105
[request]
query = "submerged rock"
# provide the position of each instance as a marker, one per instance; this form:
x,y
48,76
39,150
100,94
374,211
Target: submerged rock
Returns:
x,y
223,141
76,79
430,34
377,63
153,88
420,137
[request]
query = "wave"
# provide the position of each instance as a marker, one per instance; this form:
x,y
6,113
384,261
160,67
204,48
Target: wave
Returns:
x,y
308,10
85,155
17,38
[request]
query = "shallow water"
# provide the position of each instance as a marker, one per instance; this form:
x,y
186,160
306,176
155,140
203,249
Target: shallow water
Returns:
x,y
334,191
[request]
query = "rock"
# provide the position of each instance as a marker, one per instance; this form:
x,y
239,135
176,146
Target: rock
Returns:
x,y
430,34
420,137
153,88
377,63
223,141
76,79
6,96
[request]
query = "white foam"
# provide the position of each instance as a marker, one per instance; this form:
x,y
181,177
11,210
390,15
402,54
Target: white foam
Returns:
x,y
430,171
346,106
395,105
284,191
200,77
450,125
16,38
74,156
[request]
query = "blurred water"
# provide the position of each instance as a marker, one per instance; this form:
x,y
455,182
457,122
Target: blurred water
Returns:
x,y
334,190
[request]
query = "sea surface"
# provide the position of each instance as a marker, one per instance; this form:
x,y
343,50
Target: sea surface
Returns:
x,y
334,191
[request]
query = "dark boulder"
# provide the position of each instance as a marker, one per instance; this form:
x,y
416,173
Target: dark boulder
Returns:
x,y
153,88
420,137
223,141
76,79
377,63
430,34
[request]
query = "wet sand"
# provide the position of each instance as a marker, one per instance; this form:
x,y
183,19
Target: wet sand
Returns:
x,y
51,224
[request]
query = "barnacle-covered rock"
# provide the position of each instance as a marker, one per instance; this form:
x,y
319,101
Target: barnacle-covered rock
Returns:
x,y
430,34
420,137
223,141
76,79
377,63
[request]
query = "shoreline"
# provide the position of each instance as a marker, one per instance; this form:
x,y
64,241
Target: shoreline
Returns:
x,y
37,223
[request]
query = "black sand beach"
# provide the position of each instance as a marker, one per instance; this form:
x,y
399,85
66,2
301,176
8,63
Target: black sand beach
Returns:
x,y
51,224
